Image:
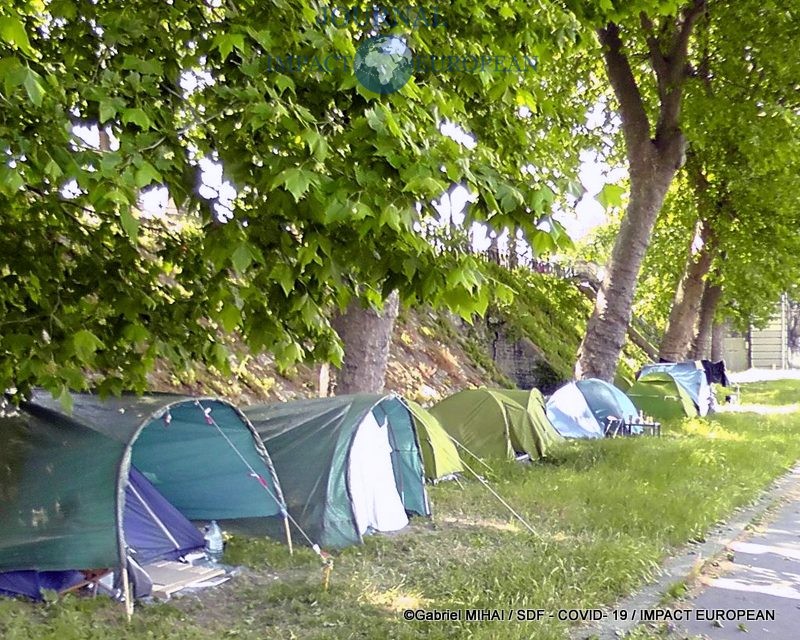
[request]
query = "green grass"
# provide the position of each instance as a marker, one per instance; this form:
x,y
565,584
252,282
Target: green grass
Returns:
x,y
606,514
778,392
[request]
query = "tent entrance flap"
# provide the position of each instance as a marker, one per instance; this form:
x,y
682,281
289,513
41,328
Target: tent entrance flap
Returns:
x,y
199,468
376,503
153,528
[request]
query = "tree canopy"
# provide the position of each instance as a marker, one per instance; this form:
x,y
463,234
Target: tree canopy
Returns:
x,y
331,180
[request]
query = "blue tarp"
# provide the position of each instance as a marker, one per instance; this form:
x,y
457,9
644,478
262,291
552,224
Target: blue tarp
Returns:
x,y
32,583
153,529
691,376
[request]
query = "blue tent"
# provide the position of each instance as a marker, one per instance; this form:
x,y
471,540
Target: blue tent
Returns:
x,y
581,409
153,528
691,376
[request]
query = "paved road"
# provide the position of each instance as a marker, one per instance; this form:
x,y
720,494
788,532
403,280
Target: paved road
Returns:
x,y
764,576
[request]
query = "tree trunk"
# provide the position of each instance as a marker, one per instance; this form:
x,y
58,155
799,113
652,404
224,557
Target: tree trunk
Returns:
x,y
652,163
717,341
685,310
708,309
366,335
605,333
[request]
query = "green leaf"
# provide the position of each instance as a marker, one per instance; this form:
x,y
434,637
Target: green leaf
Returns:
x,y
146,174
225,43
12,31
542,243
504,293
506,12
316,143
284,275
510,198
33,87
136,333
230,317
290,354
138,117
219,356
65,399
242,257
296,181
130,223
610,196
10,180
85,344
107,111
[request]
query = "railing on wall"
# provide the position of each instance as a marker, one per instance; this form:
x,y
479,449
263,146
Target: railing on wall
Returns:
x,y
445,239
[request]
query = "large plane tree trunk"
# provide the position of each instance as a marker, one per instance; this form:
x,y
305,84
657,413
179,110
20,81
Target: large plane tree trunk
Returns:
x,y
608,325
685,312
652,161
366,335
708,310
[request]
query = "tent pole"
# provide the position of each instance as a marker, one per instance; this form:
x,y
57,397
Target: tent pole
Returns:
x,y
503,502
458,444
288,534
126,589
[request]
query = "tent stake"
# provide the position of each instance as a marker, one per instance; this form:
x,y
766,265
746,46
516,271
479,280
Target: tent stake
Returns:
x,y
288,535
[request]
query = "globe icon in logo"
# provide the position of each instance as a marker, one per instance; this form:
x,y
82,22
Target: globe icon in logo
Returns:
x,y
383,64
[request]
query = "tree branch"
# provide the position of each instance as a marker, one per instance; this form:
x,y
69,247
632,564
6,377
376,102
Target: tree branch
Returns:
x,y
657,58
635,124
671,80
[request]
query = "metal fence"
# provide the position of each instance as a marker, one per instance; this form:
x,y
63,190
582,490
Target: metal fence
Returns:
x,y
450,239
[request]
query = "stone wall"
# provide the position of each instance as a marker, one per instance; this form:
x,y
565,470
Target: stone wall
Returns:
x,y
522,361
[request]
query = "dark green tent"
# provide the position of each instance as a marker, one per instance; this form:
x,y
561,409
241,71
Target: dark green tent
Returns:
x,y
659,395
348,465
440,457
492,423
63,475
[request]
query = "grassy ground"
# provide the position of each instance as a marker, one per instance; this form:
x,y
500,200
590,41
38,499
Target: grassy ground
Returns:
x,y
777,392
606,513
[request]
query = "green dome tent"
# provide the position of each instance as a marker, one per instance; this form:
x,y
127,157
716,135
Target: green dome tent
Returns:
x,y
348,465
64,476
533,401
491,423
439,454
658,394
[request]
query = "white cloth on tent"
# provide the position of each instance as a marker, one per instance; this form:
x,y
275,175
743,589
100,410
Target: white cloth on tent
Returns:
x,y
376,502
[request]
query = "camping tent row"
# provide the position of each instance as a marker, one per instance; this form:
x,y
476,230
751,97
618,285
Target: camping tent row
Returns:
x,y
117,483
499,423
664,391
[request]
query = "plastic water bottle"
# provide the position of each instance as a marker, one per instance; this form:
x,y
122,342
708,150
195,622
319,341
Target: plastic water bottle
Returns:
x,y
214,542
